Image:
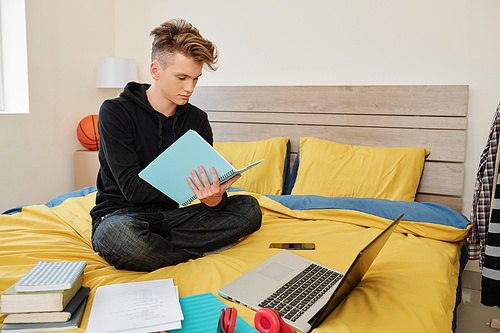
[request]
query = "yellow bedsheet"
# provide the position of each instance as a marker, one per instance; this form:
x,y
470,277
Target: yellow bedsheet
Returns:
x,y
410,287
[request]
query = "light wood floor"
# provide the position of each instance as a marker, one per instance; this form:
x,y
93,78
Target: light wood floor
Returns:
x,y
473,317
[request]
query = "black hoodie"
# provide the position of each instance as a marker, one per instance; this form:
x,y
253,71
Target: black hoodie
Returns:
x,y
132,134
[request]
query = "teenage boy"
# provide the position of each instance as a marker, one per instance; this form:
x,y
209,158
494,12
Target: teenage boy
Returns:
x,y
134,226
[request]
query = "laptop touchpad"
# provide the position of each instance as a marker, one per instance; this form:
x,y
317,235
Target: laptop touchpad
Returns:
x,y
276,271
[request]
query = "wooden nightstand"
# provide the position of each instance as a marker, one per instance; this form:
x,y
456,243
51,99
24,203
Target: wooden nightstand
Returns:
x,y
86,168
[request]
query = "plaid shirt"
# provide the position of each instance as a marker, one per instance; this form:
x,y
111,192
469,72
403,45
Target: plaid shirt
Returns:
x,y
481,204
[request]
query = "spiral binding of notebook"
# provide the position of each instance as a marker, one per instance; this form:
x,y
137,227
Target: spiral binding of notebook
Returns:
x,y
187,202
225,177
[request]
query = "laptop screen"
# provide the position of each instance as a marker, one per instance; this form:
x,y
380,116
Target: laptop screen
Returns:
x,y
355,273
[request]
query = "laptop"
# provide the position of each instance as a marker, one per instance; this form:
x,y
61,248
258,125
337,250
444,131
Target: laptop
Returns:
x,y
270,284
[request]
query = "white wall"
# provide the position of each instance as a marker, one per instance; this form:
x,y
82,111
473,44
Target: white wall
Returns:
x,y
357,42
328,42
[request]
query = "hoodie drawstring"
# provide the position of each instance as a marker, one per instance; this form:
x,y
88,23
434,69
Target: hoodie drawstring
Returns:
x,y
160,130
173,128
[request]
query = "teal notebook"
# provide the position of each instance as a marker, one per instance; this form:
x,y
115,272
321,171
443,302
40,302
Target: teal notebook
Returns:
x,y
201,314
168,172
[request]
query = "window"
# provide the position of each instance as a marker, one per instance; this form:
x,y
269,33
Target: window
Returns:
x,y
14,95
2,108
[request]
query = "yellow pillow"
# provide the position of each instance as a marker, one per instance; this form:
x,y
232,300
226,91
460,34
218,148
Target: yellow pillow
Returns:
x,y
331,169
268,176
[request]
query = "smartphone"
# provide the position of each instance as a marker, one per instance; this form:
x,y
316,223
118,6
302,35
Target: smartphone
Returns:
x,y
293,246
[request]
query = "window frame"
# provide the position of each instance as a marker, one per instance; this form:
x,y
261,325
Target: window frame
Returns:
x,y
13,57
2,106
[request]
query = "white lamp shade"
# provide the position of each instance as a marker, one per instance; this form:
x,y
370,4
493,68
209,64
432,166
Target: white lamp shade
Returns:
x,y
115,72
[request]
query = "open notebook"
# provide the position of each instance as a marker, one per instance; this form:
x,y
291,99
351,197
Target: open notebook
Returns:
x,y
168,172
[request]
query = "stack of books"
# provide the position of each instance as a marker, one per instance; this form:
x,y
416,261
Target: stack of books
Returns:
x,y
51,296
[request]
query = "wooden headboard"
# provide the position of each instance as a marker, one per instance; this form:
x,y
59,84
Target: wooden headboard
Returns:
x,y
433,117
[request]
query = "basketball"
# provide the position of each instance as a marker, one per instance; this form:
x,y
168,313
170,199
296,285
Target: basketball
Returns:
x,y
87,132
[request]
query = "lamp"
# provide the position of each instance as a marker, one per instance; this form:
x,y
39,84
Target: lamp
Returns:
x,y
115,72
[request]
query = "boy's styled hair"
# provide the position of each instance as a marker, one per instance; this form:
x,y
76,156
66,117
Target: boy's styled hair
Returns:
x,y
180,36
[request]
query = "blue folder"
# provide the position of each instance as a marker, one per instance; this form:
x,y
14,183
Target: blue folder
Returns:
x,y
201,314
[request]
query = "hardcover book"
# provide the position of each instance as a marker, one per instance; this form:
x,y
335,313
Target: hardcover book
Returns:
x,y
169,171
48,317
38,301
74,322
50,276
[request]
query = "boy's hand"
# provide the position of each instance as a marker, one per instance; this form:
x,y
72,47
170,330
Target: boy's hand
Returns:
x,y
210,195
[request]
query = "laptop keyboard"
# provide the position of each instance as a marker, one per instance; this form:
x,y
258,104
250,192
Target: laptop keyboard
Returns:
x,y
300,293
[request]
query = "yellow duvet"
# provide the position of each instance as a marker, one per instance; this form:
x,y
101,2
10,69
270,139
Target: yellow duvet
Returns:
x,y
411,286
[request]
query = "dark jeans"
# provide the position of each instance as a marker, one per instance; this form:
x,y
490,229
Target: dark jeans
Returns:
x,y
147,239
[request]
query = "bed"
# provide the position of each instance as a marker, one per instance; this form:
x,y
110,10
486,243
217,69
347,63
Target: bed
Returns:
x,y
341,163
